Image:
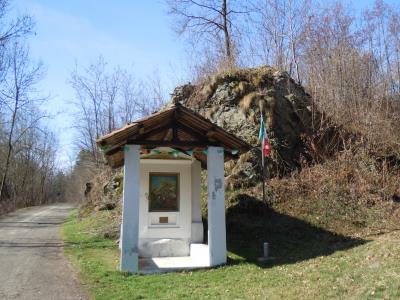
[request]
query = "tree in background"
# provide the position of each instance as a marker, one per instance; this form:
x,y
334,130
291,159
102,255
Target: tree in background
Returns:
x,y
16,91
279,32
108,99
211,26
27,148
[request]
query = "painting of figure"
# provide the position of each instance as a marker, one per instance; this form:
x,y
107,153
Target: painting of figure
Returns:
x,y
164,192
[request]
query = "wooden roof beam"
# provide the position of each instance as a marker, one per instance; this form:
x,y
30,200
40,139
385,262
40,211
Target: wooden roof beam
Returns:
x,y
198,135
191,144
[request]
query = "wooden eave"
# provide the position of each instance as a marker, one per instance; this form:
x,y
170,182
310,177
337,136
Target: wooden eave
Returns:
x,y
176,127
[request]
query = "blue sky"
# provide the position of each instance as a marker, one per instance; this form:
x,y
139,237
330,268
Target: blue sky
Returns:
x,y
135,34
132,34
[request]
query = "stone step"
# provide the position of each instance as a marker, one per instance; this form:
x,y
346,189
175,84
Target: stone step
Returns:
x,y
199,252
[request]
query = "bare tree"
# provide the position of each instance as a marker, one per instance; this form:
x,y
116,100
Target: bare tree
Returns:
x,y
106,99
10,30
281,28
27,148
209,21
19,27
131,92
16,92
90,86
139,97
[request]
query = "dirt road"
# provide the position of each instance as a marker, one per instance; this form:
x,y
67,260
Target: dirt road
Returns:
x,y
32,264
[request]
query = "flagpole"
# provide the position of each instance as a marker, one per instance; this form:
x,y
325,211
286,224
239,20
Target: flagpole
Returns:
x,y
265,149
262,135
263,171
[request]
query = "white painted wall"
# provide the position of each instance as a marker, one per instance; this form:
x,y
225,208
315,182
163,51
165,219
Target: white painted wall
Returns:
x,y
197,222
171,239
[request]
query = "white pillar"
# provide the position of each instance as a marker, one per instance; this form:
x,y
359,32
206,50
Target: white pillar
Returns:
x,y
197,223
130,212
216,206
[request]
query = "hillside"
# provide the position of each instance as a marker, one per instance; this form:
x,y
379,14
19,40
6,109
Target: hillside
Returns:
x,y
313,176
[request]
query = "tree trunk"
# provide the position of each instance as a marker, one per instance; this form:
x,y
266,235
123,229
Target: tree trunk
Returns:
x,y
10,136
4,177
228,49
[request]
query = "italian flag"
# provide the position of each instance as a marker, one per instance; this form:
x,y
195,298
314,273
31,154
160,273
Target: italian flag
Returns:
x,y
263,137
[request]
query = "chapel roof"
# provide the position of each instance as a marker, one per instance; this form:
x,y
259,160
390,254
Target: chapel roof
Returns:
x,y
177,127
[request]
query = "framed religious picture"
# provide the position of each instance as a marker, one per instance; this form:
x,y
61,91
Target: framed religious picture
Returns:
x,y
163,192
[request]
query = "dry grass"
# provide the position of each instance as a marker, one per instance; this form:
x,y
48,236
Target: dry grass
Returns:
x,y
248,101
246,80
353,194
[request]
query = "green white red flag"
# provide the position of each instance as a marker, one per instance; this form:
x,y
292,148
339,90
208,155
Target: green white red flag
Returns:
x,y
263,137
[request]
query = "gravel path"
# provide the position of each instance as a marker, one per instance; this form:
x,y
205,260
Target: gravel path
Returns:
x,y
32,263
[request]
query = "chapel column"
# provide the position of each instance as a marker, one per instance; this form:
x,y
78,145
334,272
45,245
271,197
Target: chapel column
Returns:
x,y
216,206
130,212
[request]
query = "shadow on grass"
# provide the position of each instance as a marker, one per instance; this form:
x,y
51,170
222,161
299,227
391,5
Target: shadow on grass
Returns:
x,y
250,223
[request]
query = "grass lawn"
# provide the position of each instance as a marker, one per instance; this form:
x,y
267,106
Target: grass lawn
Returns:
x,y
309,264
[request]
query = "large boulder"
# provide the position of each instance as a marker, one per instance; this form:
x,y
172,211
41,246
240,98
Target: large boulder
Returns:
x,y
236,100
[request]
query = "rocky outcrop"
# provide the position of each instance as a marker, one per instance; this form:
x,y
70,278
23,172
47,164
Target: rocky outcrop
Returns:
x,y
235,101
105,191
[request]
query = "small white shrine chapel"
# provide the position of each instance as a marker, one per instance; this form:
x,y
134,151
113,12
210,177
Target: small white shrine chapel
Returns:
x,y
163,155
